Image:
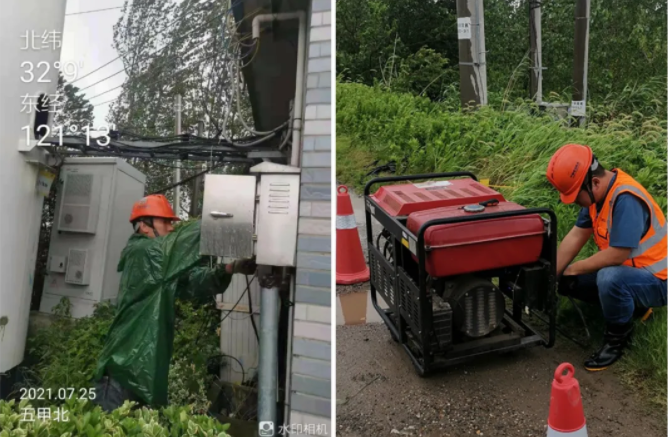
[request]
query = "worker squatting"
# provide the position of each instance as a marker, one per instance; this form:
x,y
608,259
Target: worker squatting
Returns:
x,y
627,276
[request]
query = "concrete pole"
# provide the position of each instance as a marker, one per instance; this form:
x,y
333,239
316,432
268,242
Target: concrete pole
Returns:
x,y
536,51
581,61
197,183
177,171
472,59
268,367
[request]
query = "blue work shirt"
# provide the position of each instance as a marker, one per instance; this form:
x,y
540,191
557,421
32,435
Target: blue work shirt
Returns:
x,y
630,220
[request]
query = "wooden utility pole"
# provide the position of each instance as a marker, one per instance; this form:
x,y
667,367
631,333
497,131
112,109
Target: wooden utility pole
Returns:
x,y
580,62
472,65
536,51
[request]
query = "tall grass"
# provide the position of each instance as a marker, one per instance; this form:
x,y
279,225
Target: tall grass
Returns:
x,y
511,148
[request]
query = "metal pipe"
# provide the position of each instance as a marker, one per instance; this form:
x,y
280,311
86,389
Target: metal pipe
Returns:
x,y
177,171
299,81
288,367
268,378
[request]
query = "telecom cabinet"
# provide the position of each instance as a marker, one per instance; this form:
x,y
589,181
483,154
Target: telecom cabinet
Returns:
x,y
89,231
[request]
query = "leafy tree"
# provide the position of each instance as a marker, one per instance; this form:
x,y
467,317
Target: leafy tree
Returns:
x,y
189,48
75,108
627,43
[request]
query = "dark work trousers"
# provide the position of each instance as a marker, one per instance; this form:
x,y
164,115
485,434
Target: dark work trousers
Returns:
x,y
618,290
110,394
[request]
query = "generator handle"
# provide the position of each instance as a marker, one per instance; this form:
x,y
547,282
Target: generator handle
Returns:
x,y
551,236
452,174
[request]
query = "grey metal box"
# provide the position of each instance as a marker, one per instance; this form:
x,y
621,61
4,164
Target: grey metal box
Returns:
x,y
228,216
94,254
278,218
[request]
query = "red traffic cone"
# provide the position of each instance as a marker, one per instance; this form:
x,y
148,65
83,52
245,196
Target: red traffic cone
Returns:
x,y
351,267
566,413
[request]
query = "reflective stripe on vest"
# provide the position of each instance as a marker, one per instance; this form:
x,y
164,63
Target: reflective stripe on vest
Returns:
x,y
647,255
659,231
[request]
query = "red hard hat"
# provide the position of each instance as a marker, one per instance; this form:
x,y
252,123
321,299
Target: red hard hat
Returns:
x,y
155,205
567,170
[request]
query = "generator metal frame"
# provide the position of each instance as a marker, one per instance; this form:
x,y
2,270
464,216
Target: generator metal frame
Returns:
x,y
400,320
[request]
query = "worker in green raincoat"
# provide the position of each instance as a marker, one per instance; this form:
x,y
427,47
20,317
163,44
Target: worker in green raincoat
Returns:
x,y
158,265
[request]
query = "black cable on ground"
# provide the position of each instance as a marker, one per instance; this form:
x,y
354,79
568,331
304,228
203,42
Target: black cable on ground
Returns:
x,y
562,332
584,322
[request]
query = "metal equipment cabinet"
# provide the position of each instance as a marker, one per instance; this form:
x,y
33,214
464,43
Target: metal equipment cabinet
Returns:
x,y
90,230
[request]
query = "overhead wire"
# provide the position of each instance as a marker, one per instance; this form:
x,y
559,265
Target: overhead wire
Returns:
x,y
95,10
163,60
186,180
119,146
154,54
108,101
102,80
167,29
105,92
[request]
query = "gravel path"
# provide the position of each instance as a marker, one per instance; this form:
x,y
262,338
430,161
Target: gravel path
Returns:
x,y
379,393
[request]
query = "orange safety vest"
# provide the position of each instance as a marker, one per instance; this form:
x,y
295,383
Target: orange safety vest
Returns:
x,y
651,252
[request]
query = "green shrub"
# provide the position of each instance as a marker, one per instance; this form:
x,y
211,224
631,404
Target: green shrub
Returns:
x,y
82,418
66,353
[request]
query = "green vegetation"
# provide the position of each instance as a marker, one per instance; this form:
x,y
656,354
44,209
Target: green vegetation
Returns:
x,y
65,354
411,45
512,148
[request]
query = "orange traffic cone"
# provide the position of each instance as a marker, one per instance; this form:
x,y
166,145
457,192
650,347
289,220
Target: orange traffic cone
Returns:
x,y
350,265
566,413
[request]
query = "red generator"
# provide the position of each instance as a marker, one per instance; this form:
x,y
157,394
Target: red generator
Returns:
x,y
457,267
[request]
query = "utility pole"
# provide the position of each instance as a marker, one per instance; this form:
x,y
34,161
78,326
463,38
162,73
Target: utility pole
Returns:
x,y
197,183
177,171
581,60
536,51
472,65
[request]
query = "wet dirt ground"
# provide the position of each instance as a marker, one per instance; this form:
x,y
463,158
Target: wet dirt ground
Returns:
x,y
380,394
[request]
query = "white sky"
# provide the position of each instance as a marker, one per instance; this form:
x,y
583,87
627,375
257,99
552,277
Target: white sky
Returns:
x,y
87,39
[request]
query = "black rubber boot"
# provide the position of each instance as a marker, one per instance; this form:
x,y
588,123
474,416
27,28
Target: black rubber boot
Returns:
x,y
616,338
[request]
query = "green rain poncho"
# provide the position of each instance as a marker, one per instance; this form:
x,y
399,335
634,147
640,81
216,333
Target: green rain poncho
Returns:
x,y
156,271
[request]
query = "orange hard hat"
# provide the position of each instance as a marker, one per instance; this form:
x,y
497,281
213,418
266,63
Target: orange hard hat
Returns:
x,y
155,205
568,169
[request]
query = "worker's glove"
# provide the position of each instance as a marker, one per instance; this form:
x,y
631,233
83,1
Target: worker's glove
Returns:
x,y
244,266
567,285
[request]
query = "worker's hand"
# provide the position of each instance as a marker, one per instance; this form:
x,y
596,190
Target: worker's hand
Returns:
x,y
571,270
243,266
